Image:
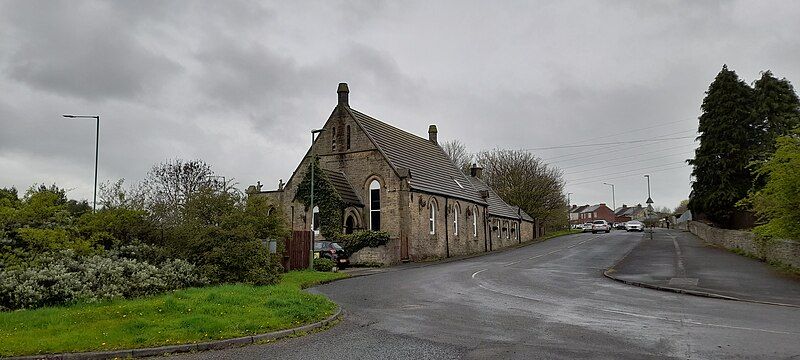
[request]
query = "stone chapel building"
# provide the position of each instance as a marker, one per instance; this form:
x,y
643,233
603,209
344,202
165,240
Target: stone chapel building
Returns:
x,y
394,181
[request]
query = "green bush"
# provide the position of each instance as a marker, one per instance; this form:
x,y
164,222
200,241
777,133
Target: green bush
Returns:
x,y
64,277
361,239
323,264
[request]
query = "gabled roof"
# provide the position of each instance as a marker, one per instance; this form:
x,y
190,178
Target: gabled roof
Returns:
x,y
497,207
431,169
579,209
590,209
343,188
525,215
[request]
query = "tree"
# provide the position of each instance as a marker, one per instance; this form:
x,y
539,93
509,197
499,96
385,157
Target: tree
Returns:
x,y
778,202
682,207
728,139
776,111
458,153
523,180
169,185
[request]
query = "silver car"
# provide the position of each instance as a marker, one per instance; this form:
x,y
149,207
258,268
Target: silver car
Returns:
x,y
600,225
634,225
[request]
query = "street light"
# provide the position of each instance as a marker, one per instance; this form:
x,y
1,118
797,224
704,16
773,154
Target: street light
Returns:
x,y
613,197
649,199
96,150
311,250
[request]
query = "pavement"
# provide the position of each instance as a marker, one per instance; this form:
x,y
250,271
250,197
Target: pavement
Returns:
x,y
678,260
549,300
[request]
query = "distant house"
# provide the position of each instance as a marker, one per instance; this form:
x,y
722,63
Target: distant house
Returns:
x,y
574,214
596,212
395,181
628,213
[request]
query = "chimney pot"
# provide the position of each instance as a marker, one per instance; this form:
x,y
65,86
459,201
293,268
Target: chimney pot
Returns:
x,y
344,94
475,171
432,134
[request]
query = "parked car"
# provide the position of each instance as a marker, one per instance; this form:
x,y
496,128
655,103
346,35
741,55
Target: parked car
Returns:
x,y
619,226
587,227
634,225
600,225
332,250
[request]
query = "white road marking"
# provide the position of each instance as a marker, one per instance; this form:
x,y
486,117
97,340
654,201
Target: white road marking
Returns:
x,y
478,272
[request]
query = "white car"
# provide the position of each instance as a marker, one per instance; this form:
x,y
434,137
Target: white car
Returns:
x,y
587,227
634,226
600,225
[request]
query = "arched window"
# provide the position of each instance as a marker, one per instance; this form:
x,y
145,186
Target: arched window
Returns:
x,y
315,220
505,227
475,222
497,225
456,212
348,137
375,205
333,139
432,218
514,229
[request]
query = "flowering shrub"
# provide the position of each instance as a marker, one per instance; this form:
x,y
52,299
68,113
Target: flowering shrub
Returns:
x,y
63,277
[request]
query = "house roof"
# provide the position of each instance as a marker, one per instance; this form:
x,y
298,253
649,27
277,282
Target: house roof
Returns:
x,y
590,209
497,207
431,169
579,209
343,188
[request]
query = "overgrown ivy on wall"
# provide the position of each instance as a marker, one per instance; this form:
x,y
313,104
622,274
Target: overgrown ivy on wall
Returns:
x,y
325,197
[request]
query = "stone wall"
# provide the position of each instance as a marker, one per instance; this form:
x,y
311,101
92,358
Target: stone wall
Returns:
x,y
775,250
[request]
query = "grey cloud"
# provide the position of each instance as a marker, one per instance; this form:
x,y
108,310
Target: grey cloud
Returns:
x,y
80,50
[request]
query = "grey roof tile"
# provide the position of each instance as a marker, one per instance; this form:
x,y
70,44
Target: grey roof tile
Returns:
x,y
343,188
431,169
497,207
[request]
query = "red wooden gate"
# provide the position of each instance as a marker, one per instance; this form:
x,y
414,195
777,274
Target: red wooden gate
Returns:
x,y
297,250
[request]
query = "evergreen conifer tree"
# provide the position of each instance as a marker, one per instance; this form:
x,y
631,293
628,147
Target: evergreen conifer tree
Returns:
x,y
728,137
776,111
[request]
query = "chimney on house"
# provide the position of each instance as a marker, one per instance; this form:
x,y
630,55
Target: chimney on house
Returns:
x,y
344,94
432,132
602,204
624,206
574,206
475,171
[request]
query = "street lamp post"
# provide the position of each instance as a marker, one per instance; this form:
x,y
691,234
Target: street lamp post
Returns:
x,y
649,199
96,150
311,250
613,196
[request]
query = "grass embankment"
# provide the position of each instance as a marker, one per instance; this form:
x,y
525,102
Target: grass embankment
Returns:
x,y
184,316
559,233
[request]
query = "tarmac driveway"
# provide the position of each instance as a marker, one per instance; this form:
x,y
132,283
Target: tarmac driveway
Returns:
x,y
544,301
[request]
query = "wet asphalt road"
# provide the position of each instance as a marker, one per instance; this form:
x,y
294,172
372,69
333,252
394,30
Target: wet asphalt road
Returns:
x,y
544,301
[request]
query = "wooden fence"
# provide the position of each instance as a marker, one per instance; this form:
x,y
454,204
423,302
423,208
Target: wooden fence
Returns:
x,y
297,250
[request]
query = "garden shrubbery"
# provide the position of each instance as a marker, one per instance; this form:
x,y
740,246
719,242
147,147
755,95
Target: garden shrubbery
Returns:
x,y
323,264
176,229
361,239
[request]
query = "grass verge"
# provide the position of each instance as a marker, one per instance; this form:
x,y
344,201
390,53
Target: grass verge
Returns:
x,y
184,316
559,233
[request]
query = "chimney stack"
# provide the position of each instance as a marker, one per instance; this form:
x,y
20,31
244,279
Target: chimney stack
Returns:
x,y
344,94
432,132
475,171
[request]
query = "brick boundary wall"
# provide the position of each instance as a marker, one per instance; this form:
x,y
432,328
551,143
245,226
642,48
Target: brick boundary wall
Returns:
x,y
786,252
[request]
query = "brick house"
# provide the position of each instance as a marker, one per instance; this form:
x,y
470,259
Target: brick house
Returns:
x,y
574,214
596,212
627,213
394,181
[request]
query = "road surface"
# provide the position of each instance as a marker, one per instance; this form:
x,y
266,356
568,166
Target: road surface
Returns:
x,y
544,301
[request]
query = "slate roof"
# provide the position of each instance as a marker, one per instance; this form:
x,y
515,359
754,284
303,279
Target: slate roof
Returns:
x,y
497,207
525,215
431,169
343,188
590,209
579,209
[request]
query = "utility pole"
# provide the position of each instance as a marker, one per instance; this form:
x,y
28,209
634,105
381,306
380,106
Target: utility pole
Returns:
x,y
569,204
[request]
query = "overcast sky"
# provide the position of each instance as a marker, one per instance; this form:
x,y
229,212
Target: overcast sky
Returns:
x,y
240,84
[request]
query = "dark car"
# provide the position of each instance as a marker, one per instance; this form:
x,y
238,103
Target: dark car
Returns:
x,y
331,250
